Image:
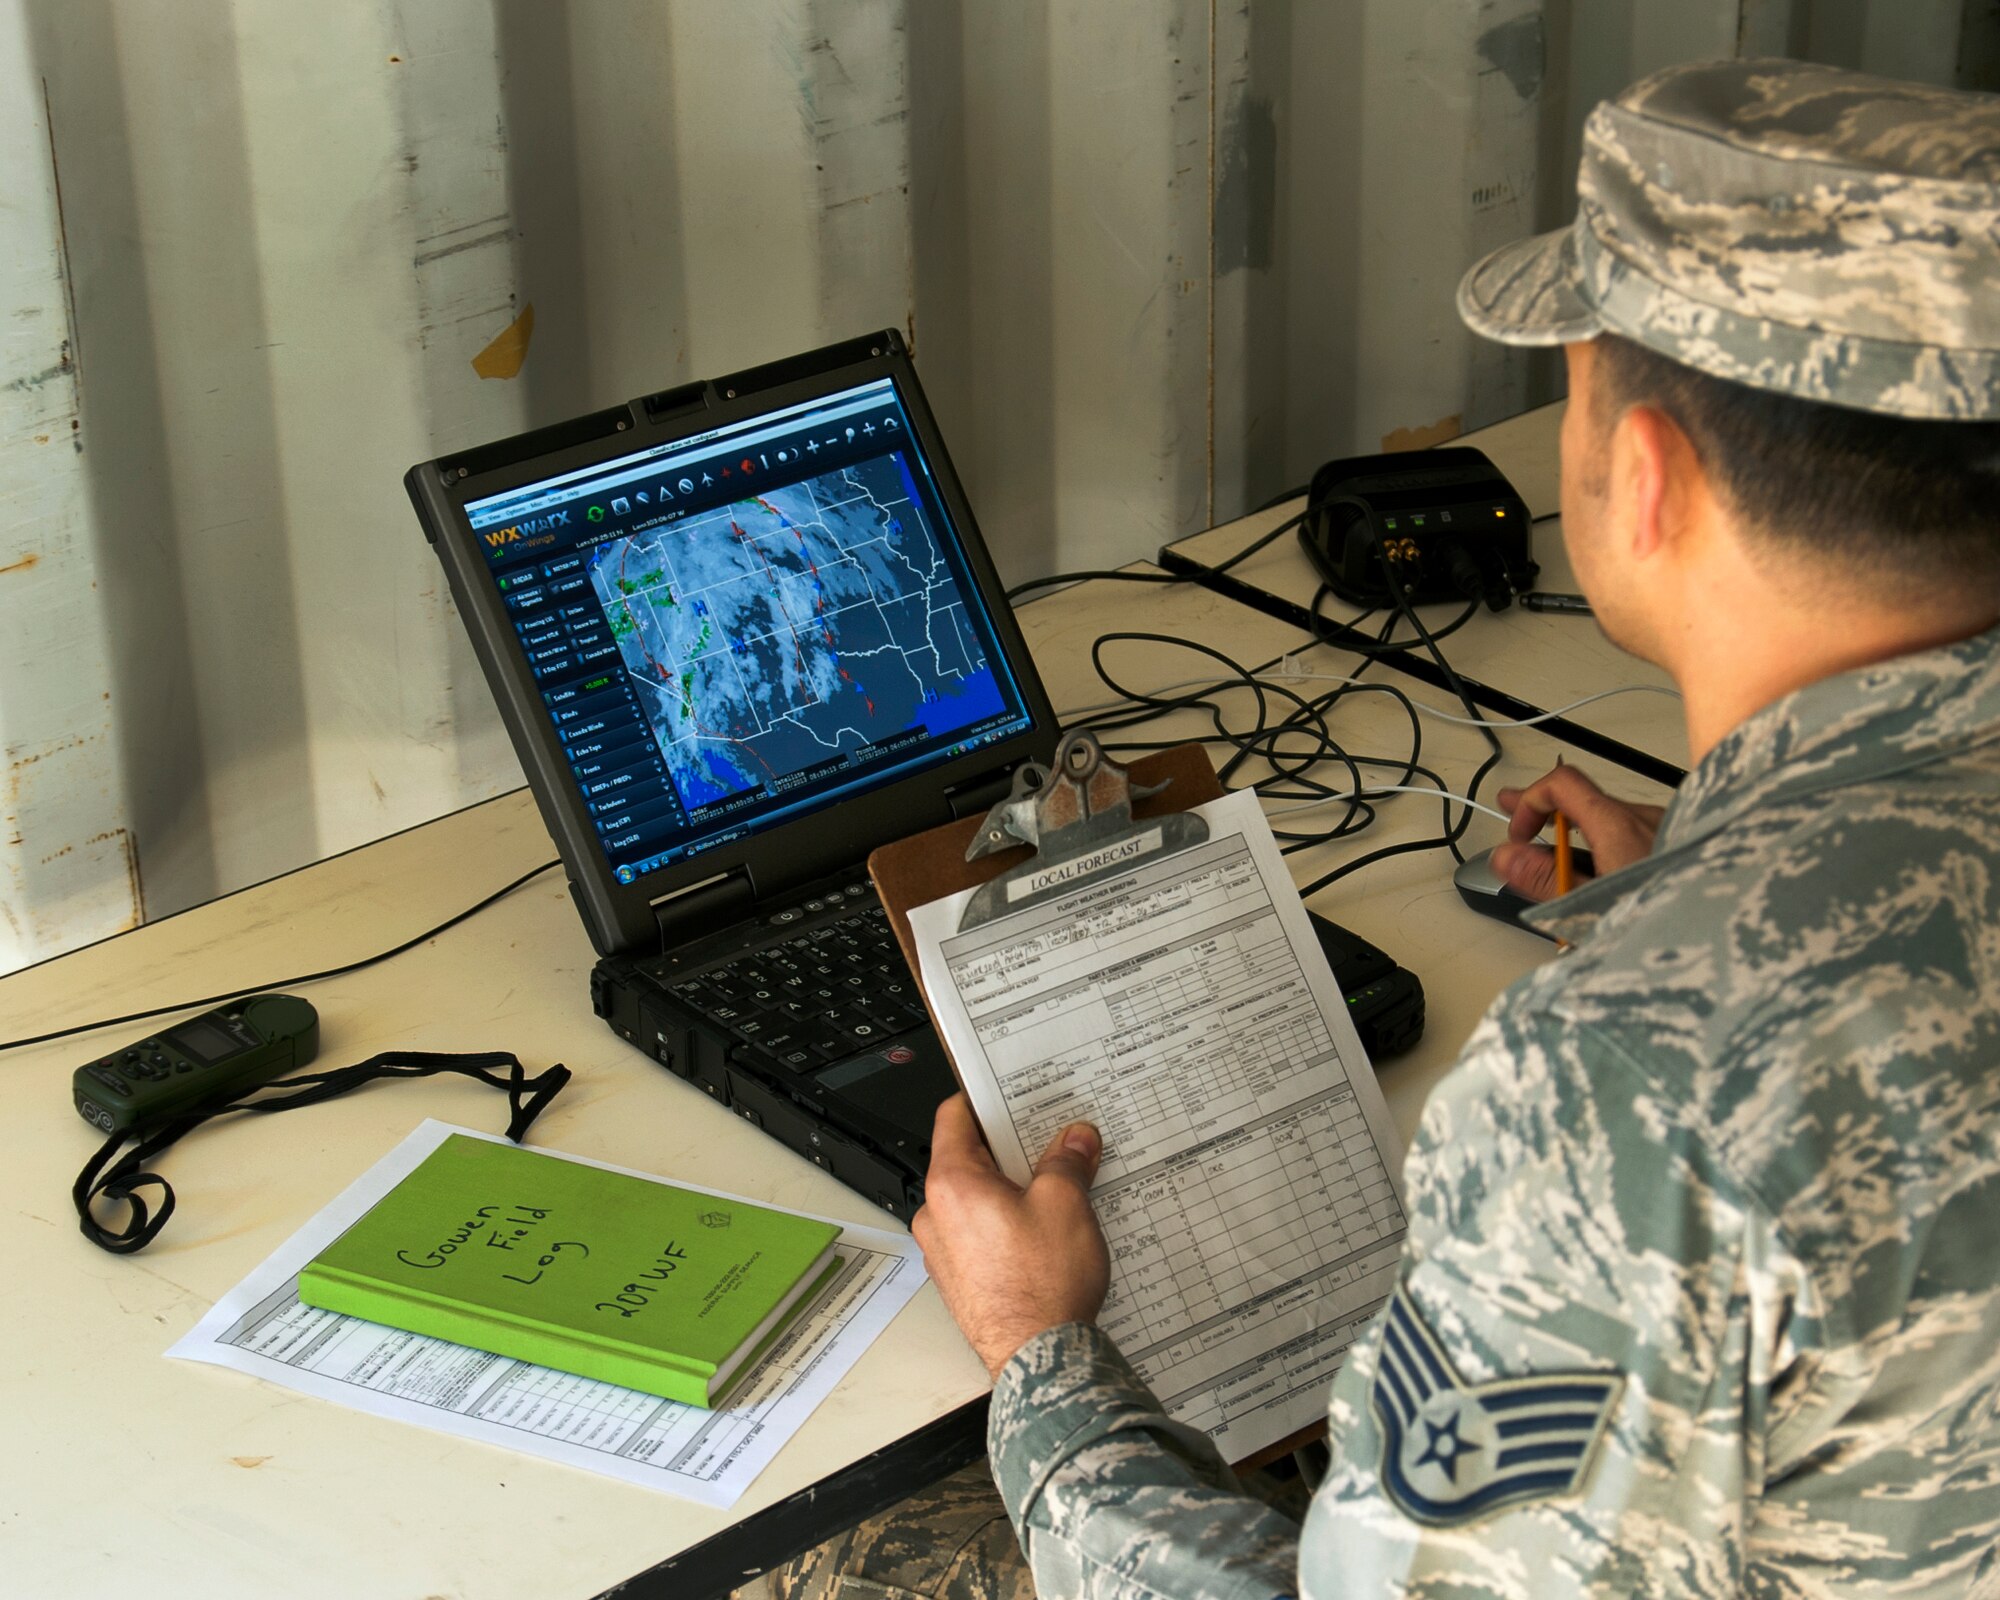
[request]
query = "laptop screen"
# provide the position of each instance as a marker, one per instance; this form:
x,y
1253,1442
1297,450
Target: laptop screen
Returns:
x,y
748,624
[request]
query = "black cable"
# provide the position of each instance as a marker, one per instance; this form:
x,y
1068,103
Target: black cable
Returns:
x,y
1283,718
1346,635
283,983
1453,832
1290,731
111,1176
1411,766
1107,573
1313,716
1306,718
1156,705
1291,778
1329,699
1244,745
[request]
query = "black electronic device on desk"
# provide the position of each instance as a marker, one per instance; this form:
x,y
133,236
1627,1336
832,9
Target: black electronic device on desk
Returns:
x,y
1386,1001
205,1058
1446,521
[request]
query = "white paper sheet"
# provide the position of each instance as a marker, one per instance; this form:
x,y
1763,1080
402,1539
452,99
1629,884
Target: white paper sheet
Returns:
x,y
1248,1189
261,1327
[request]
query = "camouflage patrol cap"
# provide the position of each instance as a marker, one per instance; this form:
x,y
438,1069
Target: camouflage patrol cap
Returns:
x,y
1783,225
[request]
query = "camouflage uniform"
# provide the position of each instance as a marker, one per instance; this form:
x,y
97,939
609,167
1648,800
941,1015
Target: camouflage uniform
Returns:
x,y
1790,227
1700,1294
1722,1179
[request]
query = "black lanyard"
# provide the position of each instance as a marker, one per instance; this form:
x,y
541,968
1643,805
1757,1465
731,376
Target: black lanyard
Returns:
x,y
124,1176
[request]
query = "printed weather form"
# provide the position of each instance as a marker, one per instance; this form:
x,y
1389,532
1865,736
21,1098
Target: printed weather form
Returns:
x,y
792,627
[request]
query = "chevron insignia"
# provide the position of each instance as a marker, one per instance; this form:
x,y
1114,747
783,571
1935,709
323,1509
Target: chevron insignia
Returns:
x,y
1452,1451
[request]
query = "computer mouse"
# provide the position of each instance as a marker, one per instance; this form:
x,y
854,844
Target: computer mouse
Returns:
x,y
1480,887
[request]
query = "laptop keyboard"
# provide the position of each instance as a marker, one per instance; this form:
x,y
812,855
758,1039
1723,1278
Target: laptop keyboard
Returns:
x,y
816,997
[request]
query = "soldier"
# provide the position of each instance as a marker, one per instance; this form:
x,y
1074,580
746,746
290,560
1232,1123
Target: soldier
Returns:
x,y
1700,1294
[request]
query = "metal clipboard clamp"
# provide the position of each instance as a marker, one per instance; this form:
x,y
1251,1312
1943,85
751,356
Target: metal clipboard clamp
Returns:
x,y
1077,815
935,862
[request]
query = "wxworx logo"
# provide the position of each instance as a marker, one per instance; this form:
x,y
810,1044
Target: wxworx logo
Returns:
x,y
496,537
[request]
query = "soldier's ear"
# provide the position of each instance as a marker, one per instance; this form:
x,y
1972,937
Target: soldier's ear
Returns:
x,y
1657,480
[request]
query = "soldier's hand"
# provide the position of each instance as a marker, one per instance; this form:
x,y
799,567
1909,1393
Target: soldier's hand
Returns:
x,y
1011,1262
1618,832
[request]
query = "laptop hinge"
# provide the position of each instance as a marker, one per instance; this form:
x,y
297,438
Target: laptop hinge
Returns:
x,y
703,908
981,792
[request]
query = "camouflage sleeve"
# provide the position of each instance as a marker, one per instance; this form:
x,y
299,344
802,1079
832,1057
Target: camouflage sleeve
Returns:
x,y
1570,1391
1113,1500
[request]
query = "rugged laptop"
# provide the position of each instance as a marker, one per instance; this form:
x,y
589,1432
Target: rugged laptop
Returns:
x,y
741,633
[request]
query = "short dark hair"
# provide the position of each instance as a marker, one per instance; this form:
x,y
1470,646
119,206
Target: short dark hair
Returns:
x,y
1893,500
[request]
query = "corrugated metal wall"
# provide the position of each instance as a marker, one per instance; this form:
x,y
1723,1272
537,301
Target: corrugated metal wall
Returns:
x,y
1156,257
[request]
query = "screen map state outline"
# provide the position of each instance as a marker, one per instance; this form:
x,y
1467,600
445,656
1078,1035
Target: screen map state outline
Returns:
x,y
792,627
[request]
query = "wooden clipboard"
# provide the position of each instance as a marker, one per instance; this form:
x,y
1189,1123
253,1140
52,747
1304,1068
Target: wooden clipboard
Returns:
x,y
930,865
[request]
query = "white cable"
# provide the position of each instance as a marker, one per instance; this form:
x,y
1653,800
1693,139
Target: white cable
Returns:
x,y
1390,788
1477,722
1287,671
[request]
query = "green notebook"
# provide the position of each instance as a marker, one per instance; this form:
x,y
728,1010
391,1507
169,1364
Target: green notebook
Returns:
x,y
569,1266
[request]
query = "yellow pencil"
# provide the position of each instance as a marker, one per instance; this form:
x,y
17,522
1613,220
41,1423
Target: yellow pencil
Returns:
x,y
1565,867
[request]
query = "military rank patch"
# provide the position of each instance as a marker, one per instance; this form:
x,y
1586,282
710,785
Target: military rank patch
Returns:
x,y
1452,1451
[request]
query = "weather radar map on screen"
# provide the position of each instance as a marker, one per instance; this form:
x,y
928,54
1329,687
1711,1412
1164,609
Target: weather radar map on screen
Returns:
x,y
789,626
734,628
